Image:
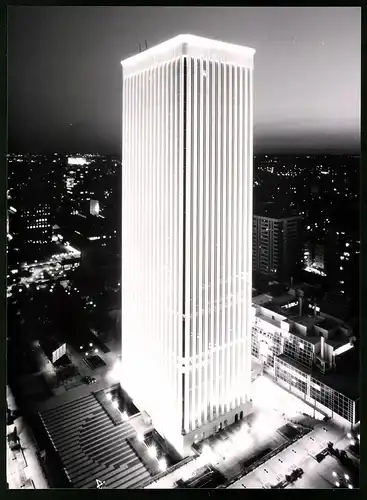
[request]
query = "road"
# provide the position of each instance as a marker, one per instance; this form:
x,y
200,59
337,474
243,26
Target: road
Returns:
x,y
17,474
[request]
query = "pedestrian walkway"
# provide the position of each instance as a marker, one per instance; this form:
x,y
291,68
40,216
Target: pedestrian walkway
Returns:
x,y
91,447
23,467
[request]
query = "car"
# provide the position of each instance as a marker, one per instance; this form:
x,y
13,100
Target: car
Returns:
x,y
298,472
321,455
89,380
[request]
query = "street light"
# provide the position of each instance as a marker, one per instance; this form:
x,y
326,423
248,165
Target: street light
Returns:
x,y
162,464
337,484
152,451
334,473
349,435
346,477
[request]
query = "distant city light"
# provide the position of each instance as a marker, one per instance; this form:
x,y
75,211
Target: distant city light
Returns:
x,y
77,161
337,483
346,477
349,435
350,486
335,474
95,350
90,344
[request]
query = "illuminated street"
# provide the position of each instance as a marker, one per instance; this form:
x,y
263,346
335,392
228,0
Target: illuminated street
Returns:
x,y
45,273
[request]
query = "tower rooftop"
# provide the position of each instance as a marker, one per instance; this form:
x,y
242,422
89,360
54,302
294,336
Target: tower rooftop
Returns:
x,y
192,46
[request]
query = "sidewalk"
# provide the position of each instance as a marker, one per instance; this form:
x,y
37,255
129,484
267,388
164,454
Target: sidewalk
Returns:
x,y
26,466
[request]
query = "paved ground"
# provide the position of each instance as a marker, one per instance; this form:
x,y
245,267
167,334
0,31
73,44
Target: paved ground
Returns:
x,y
300,454
238,442
91,447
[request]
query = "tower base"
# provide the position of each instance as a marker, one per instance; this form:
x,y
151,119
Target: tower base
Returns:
x,y
183,442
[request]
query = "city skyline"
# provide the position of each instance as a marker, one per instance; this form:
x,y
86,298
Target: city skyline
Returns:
x,y
64,299
298,54
183,248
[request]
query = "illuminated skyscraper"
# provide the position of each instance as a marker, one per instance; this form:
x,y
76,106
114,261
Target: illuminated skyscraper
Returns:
x,y
187,235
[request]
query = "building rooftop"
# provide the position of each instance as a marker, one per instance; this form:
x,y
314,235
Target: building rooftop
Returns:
x,y
92,446
262,299
273,322
306,320
328,324
50,345
271,210
312,339
192,46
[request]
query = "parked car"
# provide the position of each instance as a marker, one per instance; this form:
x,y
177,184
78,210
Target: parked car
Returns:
x,y
298,473
89,380
320,456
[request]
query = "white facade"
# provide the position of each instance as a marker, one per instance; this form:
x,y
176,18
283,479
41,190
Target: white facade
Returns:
x,y
187,234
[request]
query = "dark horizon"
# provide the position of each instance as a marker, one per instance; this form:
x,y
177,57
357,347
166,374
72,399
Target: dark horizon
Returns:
x,y
64,72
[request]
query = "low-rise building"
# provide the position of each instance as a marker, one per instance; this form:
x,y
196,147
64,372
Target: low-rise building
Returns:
x,y
306,354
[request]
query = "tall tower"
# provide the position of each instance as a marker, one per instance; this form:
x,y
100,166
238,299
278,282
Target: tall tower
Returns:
x,y
187,235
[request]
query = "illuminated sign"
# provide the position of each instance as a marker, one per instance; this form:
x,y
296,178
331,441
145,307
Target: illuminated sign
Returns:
x,y
289,305
343,348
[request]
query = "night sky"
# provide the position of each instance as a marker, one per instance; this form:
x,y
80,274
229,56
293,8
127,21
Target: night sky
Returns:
x,y
64,87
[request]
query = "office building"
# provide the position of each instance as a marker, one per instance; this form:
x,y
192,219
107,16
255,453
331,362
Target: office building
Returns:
x,y
33,227
94,207
343,260
186,235
314,258
309,353
277,251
